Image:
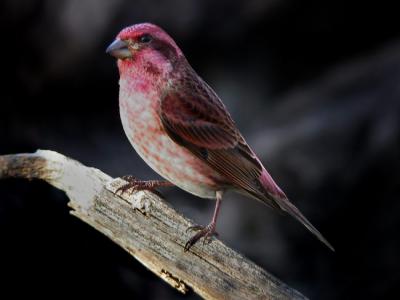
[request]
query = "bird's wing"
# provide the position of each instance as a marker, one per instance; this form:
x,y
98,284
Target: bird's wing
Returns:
x,y
195,118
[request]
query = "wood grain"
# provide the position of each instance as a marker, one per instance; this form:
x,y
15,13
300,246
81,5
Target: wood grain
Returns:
x,y
150,230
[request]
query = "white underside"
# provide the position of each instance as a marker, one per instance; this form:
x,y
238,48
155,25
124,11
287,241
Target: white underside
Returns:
x,y
159,151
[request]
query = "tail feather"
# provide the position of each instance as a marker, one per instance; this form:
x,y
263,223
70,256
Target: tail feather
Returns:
x,y
292,210
269,193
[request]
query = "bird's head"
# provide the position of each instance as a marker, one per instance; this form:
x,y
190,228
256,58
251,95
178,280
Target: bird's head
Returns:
x,y
144,46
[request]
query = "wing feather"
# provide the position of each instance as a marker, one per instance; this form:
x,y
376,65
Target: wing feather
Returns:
x,y
195,117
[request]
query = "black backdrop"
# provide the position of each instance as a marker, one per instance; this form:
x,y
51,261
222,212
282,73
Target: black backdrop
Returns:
x,y
314,86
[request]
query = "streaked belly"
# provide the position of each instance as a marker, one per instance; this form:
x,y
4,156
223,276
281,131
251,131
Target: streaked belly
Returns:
x,y
173,162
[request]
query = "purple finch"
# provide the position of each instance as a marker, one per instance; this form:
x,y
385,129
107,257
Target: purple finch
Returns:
x,y
182,130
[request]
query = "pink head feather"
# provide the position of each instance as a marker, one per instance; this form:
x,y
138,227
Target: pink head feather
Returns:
x,y
135,31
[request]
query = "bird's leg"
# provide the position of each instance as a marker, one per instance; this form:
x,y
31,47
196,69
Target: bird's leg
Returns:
x,y
208,231
139,185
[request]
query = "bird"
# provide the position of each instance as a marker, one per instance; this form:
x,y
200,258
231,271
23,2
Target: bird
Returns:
x,y
179,126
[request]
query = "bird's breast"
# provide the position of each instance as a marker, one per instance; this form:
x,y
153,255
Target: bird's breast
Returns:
x,y
143,127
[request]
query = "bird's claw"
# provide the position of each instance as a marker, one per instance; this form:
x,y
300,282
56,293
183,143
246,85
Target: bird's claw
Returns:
x,y
131,185
195,228
122,189
140,185
206,233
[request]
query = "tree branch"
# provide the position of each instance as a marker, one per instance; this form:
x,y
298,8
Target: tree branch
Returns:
x,y
150,230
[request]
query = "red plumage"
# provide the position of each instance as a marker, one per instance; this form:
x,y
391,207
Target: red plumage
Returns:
x,y
180,127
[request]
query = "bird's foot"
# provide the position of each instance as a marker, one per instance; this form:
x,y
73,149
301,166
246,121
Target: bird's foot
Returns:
x,y
203,232
140,185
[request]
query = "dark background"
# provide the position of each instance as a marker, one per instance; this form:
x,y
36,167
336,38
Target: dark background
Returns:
x,y
313,85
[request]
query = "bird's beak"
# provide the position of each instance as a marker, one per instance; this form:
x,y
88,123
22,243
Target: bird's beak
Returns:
x,y
119,49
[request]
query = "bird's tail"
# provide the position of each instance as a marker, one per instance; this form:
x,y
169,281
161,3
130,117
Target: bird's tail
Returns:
x,y
292,210
270,194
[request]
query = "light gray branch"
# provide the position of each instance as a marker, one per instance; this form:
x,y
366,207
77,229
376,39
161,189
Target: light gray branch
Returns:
x,y
150,230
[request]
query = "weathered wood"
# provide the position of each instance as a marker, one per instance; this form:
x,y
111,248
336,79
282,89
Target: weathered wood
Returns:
x,y
150,230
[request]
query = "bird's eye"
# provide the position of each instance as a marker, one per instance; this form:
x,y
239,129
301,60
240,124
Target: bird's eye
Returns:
x,y
145,38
